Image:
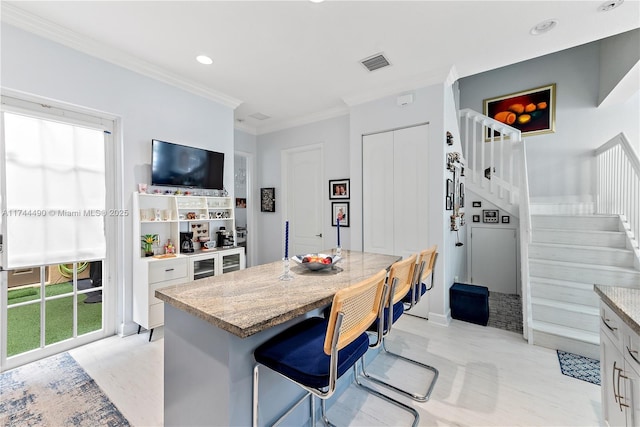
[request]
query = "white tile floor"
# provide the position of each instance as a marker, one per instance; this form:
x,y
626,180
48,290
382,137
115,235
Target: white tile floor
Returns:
x,y
488,377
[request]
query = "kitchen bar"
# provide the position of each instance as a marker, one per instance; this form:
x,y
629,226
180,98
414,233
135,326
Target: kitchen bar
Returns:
x,y
213,325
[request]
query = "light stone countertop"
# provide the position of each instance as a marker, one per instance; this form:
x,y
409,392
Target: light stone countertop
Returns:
x,y
249,301
625,302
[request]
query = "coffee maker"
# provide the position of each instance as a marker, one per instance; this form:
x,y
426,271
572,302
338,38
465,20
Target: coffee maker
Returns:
x,y
225,237
186,242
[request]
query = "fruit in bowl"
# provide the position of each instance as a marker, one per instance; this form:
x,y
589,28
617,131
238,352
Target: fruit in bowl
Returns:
x,y
316,261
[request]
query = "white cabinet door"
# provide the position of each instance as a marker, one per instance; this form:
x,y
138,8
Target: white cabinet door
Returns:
x,y
395,191
611,365
410,201
493,258
378,193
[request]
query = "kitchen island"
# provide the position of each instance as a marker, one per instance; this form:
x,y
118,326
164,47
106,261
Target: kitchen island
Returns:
x,y
213,325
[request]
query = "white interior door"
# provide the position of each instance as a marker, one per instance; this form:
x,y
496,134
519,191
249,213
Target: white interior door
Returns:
x,y
304,190
493,259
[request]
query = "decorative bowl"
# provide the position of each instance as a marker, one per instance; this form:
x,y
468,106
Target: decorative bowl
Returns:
x,y
316,262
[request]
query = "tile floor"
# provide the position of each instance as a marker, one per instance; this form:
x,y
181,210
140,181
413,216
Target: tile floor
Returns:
x,y
488,377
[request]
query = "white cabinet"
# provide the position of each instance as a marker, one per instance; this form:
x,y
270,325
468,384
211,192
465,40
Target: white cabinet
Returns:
x,y
167,216
619,366
395,191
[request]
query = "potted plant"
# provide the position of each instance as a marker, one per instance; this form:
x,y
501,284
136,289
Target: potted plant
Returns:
x,y
147,243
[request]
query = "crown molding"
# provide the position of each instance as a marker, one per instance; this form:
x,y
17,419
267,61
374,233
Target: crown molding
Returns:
x,y
304,120
244,127
19,18
416,82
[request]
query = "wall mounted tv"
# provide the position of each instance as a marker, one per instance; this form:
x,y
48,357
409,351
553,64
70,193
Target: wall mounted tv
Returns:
x,y
181,166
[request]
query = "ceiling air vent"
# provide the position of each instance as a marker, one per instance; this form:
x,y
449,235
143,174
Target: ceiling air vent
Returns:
x,y
375,62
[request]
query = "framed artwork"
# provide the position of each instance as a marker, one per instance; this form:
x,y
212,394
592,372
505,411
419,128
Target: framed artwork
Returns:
x,y
241,202
340,209
476,218
490,215
448,197
532,111
476,204
339,189
505,219
268,199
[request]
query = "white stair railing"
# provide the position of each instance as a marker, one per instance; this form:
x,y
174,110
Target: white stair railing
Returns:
x,y
496,169
618,183
489,152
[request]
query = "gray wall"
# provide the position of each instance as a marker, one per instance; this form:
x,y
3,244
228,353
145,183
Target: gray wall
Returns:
x,y
561,163
147,109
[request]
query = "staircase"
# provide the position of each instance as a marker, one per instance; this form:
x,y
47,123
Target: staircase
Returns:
x,y
561,256
567,256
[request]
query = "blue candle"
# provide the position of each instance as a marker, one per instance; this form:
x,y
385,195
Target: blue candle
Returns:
x,y
338,223
286,239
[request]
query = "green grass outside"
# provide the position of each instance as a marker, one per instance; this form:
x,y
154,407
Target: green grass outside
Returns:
x,y
23,323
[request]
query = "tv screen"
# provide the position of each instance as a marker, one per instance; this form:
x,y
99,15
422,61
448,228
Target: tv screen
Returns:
x,y
181,166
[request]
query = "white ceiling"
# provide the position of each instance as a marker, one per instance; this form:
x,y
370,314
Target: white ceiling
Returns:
x,y
298,61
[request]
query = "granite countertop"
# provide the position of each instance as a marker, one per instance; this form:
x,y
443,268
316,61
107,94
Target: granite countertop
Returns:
x,y
249,301
625,302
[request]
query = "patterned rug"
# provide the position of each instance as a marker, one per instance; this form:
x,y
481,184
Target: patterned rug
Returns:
x,y
55,391
580,367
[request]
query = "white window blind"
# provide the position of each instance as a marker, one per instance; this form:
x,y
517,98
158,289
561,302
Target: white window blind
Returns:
x,y
55,191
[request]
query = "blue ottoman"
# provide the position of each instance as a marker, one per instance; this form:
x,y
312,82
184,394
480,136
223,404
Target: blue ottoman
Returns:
x,y
469,303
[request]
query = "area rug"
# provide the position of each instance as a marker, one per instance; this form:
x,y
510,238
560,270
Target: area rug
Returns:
x,y
55,391
580,367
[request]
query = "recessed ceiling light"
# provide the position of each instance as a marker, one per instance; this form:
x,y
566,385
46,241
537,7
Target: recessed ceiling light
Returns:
x,y
544,27
610,5
204,59
316,1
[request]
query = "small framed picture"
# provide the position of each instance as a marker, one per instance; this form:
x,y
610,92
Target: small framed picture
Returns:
x,y
340,210
476,218
505,219
476,204
339,189
241,202
268,199
449,203
490,215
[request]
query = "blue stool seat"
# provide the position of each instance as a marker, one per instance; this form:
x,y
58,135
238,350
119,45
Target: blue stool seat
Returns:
x,y
298,353
423,290
398,310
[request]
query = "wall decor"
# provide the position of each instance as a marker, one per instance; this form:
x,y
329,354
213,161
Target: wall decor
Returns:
x,y
476,204
449,138
532,111
505,219
268,199
476,218
462,194
449,195
339,189
490,215
340,209
241,202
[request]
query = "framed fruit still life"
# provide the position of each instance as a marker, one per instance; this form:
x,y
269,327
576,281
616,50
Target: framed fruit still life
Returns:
x,y
532,112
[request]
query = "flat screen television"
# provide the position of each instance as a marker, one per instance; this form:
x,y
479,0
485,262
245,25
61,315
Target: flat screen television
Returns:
x,y
181,166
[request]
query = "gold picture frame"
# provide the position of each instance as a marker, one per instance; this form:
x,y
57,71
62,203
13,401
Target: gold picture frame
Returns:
x,y
532,111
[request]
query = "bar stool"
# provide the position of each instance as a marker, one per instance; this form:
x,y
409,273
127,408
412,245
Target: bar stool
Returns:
x,y
401,279
316,352
424,268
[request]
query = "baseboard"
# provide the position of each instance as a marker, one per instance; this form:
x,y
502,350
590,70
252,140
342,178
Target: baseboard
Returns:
x,y
439,319
127,328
